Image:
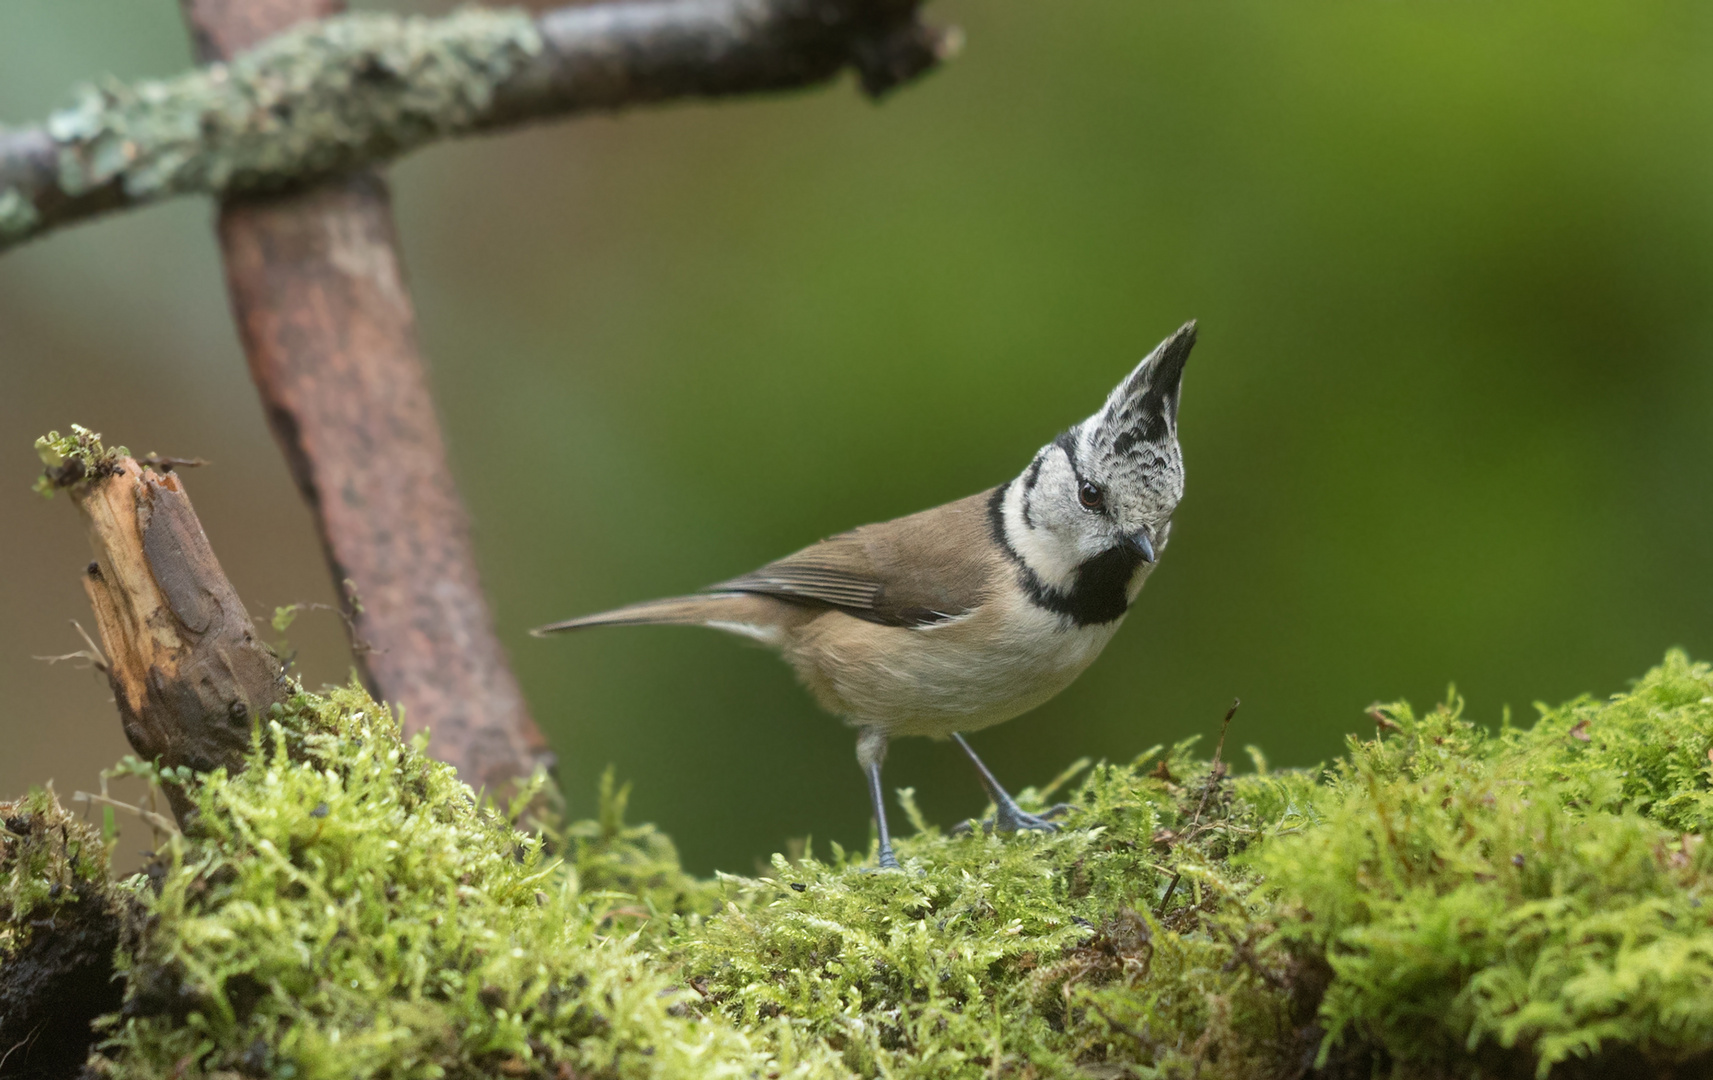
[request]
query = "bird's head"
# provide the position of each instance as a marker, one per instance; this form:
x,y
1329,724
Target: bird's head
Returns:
x,y
1111,483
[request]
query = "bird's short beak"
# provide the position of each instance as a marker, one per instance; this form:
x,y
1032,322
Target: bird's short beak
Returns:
x,y
1139,543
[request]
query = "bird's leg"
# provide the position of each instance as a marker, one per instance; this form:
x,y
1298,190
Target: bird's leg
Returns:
x,y
871,751
888,861
1007,816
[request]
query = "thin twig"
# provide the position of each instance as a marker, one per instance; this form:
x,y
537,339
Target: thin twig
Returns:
x,y
1141,1037
358,645
1214,773
164,463
28,1042
157,821
92,653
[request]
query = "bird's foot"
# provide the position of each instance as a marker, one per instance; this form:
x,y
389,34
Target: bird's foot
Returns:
x,y
1012,818
886,861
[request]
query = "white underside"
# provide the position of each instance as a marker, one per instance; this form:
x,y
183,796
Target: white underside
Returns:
x,y
999,662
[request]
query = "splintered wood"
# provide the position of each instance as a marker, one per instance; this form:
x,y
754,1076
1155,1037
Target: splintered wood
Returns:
x,y
188,674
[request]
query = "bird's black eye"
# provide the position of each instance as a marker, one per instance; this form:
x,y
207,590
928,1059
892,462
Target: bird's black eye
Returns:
x,y
1091,496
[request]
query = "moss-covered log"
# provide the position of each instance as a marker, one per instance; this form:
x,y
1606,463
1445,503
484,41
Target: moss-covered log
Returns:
x,y
1444,901
360,90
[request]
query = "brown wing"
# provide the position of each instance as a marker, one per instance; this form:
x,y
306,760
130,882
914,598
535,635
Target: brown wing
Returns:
x,y
912,571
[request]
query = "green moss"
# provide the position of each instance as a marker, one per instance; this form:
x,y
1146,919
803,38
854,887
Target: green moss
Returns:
x,y
631,871
1444,901
344,908
48,858
1531,896
1037,952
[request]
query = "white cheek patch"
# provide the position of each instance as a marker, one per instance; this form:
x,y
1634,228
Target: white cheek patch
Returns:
x,y
1040,548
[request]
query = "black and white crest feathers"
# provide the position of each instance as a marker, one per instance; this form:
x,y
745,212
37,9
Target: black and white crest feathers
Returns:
x,y
1144,407
1131,445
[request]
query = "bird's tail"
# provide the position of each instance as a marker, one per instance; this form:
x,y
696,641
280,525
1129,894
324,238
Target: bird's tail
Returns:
x,y
742,613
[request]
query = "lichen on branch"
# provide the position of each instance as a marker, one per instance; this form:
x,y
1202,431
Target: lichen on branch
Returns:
x,y
70,460
361,89
316,99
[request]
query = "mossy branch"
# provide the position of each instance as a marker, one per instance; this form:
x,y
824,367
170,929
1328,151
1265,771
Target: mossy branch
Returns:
x,y
363,89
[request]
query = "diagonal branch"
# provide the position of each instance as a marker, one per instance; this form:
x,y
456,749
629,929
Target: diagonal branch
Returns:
x,y
357,90
329,330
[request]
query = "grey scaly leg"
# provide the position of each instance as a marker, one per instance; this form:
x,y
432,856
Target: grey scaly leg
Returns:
x,y
888,861
871,751
1008,816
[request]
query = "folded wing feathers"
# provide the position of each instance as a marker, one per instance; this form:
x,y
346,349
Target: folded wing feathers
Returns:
x,y
861,573
825,584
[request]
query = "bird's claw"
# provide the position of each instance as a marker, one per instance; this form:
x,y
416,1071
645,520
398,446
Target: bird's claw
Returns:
x,y
1019,821
1014,819
887,861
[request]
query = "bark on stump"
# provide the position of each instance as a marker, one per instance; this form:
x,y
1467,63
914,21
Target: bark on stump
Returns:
x,y
187,671
190,679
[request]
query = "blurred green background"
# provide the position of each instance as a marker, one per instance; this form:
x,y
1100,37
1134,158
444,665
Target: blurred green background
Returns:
x,y
1448,420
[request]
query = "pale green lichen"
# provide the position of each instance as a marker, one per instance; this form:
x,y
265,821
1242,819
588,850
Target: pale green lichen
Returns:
x,y
316,99
68,460
18,217
1442,902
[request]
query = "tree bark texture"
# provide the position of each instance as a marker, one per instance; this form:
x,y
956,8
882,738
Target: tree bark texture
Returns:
x,y
329,331
305,102
187,672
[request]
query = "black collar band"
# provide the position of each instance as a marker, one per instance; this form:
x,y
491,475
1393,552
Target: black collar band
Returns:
x,y
1101,591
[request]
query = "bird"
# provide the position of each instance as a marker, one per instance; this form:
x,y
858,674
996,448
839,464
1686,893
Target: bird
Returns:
x,y
951,620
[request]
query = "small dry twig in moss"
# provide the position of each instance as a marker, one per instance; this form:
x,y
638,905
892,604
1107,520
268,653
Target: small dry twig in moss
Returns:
x,y
160,822
1215,772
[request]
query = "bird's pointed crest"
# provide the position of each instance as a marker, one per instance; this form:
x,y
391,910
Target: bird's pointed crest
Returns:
x,y
1144,407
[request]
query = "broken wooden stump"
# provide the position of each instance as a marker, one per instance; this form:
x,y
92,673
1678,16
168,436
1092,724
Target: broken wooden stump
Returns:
x,y
188,674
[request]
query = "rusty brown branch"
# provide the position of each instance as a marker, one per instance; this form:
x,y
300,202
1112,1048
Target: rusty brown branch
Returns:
x,y
330,334
359,90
